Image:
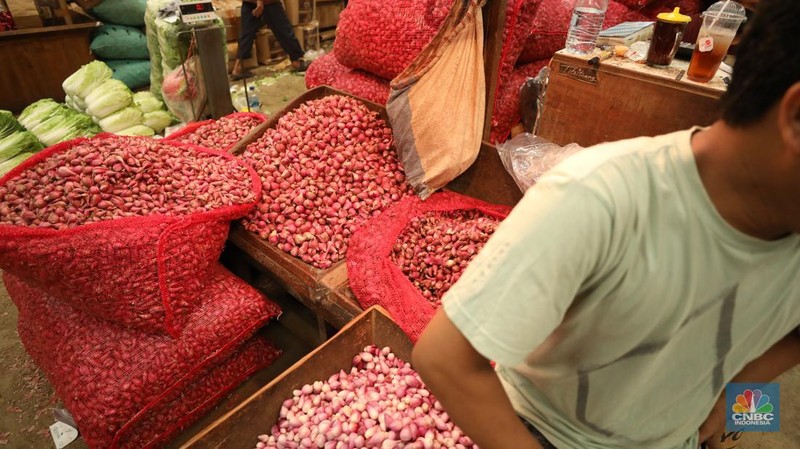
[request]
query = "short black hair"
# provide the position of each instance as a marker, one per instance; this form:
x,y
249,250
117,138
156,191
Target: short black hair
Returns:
x,y
767,63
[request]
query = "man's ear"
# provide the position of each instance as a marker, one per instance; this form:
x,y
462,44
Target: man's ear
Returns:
x,y
789,118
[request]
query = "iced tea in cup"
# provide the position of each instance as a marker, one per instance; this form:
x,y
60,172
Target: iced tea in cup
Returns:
x,y
720,23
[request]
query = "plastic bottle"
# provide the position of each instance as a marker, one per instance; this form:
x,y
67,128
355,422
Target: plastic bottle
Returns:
x,y
255,103
587,21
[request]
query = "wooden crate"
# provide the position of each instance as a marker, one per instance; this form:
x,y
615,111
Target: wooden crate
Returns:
x,y
620,99
240,427
300,279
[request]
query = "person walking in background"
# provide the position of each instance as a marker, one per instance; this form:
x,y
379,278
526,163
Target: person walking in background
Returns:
x,y
256,14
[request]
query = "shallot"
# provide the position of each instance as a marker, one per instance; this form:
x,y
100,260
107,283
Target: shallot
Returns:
x,y
435,248
221,134
326,168
379,403
110,178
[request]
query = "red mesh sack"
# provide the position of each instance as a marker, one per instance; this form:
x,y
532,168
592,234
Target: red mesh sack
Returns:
x,y
140,271
328,71
383,36
219,134
324,70
180,409
507,113
115,380
364,85
376,280
520,15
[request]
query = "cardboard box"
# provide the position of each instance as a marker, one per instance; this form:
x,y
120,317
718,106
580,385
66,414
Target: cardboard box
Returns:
x,y
328,14
232,18
249,63
25,13
269,50
308,35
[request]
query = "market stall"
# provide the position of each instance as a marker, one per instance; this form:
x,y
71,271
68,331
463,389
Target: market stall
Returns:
x,y
187,275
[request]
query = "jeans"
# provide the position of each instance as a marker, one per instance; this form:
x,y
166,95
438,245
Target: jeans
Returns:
x,y
536,434
275,18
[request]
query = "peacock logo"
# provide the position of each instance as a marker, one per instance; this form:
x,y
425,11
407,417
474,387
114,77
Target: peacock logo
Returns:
x,y
752,401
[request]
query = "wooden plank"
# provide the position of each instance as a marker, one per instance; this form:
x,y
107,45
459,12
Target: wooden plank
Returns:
x,y
590,105
494,23
240,427
36,61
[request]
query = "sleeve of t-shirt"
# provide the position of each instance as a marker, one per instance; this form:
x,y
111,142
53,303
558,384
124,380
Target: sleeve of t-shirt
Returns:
x,y
518,288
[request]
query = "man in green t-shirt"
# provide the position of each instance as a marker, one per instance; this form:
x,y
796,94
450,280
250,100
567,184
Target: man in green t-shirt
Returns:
x,y
637,278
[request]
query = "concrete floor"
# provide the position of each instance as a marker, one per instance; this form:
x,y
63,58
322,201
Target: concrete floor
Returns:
x,y
27,399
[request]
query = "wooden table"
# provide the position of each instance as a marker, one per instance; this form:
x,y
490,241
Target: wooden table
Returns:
x,y
37,60
620,99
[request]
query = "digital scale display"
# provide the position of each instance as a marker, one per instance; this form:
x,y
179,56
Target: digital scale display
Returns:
x,y
197,11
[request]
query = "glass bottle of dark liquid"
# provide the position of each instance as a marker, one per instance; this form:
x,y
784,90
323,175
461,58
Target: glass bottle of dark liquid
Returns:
x,y
667,36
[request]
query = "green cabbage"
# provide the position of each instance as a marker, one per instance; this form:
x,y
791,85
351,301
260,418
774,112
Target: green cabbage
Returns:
x,y
79,103
86,79
158,120
138,130
18,142
122,120
147,102
37,112
9,164
108,98
65,124
8,124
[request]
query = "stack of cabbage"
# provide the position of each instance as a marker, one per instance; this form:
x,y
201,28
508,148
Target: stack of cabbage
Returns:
x,y
16,144
53,122
112,105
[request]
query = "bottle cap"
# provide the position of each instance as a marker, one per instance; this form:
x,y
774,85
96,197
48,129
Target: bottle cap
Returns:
x,y
674,17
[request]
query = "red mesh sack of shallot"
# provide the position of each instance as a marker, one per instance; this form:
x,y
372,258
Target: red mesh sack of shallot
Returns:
x,y
364,85
404,259
324,70
126,388
507,107
124,228
520,15
328,71
384,36
219,134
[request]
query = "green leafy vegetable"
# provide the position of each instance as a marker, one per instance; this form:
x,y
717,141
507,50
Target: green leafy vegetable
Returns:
x,y
86,79
18,142
63,125
138,130
147,102
37,112
120,120
158,120
9,164
108,98
8,124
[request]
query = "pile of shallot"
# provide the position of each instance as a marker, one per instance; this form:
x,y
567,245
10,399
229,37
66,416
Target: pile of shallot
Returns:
x,y
106,179
380,403
221,134
326,168
436,247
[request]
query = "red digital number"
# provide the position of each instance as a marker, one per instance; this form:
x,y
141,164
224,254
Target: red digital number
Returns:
x,y
199,7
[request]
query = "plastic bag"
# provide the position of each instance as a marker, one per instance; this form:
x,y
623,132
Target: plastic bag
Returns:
x,y
527,157
183,90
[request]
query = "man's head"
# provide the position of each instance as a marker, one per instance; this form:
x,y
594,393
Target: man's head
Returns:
x,y
767,64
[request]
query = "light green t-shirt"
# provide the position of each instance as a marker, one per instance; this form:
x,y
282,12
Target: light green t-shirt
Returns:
x,y
617,302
